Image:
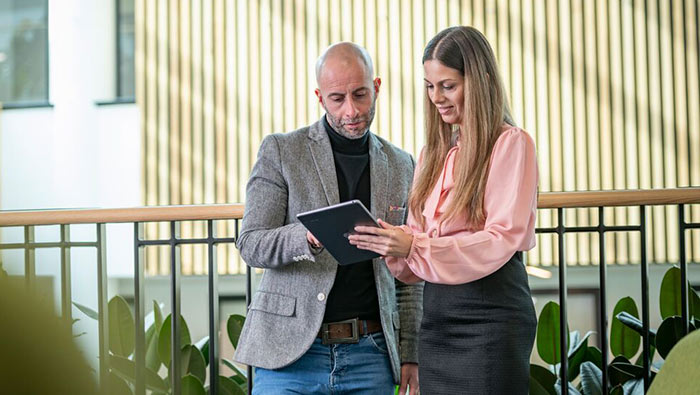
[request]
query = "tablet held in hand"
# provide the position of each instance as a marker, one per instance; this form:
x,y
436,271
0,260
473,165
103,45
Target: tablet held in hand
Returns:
x,y
333,224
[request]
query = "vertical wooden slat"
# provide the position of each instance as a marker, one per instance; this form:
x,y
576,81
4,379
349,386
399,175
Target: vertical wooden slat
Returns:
x,y
656,125
642,108
232,158
301,90
394,87
173,75
579,144
150,125
631,130
669,132
592,111
693,68
222,251
185,82
209,153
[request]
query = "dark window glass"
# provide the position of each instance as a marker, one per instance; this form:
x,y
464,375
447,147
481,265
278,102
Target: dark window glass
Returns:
x,y
125,48
24,70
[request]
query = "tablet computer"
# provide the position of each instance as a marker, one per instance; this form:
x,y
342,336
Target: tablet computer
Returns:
x,y
333,224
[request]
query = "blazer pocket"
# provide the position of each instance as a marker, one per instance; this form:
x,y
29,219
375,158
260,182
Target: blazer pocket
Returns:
x,y
273,303
396,215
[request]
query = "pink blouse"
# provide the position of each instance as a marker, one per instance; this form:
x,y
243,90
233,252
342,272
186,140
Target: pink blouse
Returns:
x,y
449,253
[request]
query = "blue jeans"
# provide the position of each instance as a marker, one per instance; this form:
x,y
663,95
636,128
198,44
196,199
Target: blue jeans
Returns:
x,y
362,368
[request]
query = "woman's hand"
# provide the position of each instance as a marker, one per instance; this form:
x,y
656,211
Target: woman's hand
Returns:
x,y
386,241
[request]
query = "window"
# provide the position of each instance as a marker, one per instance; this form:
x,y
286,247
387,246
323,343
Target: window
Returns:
x,y
125,49
24,68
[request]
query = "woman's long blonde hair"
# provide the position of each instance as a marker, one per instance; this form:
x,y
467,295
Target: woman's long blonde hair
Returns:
x,y
466,50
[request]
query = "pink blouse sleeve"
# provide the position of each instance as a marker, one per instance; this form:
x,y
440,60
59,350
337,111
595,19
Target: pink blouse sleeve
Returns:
x,y
510,204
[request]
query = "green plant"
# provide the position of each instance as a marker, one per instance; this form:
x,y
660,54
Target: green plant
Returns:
x,y
584,371
193,357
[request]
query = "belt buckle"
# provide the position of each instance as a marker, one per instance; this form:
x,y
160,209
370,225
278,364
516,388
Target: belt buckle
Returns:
x,y
354,338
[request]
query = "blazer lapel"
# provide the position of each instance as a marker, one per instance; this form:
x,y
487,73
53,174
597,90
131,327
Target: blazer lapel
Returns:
x,y
379,177
322,154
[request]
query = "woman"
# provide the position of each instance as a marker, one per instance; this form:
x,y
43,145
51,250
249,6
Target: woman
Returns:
x,y
471,214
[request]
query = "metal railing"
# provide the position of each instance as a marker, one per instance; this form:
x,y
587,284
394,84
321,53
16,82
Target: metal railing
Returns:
x,y
175,214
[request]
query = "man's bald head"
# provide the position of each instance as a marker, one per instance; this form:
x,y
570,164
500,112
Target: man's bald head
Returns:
x,y
344,54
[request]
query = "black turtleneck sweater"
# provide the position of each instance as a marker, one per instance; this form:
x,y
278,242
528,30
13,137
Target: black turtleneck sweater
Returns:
x,y
354,292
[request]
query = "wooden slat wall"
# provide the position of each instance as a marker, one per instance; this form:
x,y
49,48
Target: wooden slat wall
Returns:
x,y
608,89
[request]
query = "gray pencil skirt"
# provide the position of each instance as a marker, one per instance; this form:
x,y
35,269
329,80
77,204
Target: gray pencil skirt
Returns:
x,y
476,338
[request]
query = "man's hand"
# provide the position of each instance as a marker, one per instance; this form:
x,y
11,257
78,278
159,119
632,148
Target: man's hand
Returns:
x,y
409,379
313,242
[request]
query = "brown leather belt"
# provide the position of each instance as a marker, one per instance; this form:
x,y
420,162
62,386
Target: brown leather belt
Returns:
x,y
348,331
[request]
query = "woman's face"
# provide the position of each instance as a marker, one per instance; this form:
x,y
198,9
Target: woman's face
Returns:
x,y
445,87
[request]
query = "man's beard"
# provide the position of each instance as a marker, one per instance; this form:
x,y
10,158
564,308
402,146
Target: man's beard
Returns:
x,y
339,125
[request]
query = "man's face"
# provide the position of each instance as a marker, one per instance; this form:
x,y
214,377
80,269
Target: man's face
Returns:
x,y
349,96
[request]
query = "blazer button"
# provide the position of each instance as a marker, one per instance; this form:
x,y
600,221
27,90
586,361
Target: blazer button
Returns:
x,y
321,297
434,232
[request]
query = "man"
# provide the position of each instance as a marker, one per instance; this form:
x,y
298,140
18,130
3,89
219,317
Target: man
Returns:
x,y
300,326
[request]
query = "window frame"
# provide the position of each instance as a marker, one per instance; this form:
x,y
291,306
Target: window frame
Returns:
x,y
119,96
43,102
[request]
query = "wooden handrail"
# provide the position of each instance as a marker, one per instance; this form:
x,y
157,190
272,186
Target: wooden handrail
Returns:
x,y
637,197
117,215
546,200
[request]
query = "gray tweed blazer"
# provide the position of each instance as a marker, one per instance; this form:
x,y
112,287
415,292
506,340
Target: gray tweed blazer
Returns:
x,y
295,172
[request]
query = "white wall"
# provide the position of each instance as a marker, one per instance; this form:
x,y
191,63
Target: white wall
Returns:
x,y
75,154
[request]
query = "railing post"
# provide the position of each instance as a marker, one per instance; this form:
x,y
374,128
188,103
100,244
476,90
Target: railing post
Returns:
x,y
175,308
603,299
645,296
213,312
102,324
139,314
29,257
684,269
563,333
66,296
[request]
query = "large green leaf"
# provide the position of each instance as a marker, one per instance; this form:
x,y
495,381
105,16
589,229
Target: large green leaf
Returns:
x,y
234,325
594,355
543,377
203,346
117,385
572,389
633,387
637,325
669,333
670,295
229,387
152,358
548,341
124,368
535,388
87,311
577,354
591,379
157,316
624,340
191,385
694,303
164,343
617,390
621,370
239,376
121,327
192,362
